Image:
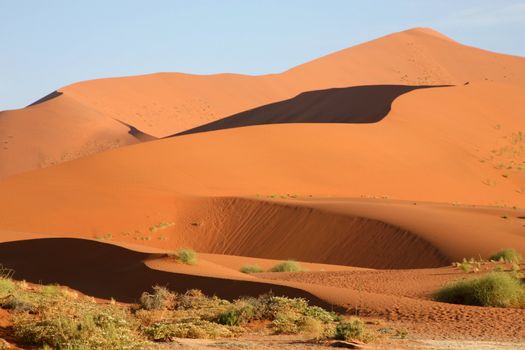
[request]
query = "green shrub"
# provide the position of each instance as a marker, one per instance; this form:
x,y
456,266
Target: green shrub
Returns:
x,y
160,299
494,289
200,305
230,317
507,255
185,256
287,266
353,329
251,269
465,266
321,314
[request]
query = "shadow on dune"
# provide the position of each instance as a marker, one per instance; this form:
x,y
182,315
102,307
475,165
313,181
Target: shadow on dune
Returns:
x,y
358,104
139,135
47,97
105,270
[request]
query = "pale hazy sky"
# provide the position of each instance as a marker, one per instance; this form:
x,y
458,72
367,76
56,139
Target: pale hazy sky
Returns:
x,y
48,44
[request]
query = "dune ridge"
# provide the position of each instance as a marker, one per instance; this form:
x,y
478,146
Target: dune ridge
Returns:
x,y
165,104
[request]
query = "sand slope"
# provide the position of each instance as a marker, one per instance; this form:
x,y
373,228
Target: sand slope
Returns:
x,y
451,145
54,131
168,103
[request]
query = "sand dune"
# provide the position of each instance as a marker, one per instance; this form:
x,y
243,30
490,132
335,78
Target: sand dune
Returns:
x,y
168,103
358,104
53,131
105,271
401,297
426,149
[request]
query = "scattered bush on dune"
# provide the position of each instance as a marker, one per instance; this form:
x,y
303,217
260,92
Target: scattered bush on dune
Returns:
x,y
493,289
251,269
287,266
185,256
507,255
353,329
160,299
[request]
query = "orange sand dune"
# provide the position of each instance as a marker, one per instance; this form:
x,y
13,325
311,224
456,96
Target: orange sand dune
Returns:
x,y
452,145
55,131
168,103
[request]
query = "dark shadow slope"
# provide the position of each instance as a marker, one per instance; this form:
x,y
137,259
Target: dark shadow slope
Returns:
x,y
358,104
47,97
104,270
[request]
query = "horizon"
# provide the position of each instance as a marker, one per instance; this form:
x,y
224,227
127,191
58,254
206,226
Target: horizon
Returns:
x,y
146,39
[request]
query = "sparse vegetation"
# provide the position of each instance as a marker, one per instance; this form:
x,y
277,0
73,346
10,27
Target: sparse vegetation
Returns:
x,y
493,289
160,299
160,226
185,256
353,329
287,266
251,269
56,317
104,237
507,255
470,265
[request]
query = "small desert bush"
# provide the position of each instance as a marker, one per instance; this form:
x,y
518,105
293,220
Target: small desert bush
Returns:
x,y
507,255
160,299
4,345
494,289
185,256
287,266
353,329
251,269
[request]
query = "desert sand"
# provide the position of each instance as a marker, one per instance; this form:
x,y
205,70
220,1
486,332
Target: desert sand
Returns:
x,y
376,167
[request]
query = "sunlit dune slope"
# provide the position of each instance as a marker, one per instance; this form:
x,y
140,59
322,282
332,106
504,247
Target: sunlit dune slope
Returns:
x,y
453,145
167,103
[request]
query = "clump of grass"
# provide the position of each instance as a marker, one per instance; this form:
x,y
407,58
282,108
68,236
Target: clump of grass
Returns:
x,y
160,299
251,269
185,256
494,289
353,329
470,265
507,255
287,266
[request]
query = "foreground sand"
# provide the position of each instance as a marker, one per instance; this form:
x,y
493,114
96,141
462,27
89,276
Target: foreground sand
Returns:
x,y
389,299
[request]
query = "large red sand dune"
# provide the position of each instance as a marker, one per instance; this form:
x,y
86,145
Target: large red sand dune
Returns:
x,y
344,160
168,103
454,145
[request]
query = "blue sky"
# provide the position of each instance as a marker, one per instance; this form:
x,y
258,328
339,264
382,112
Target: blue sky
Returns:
x,y
48,44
